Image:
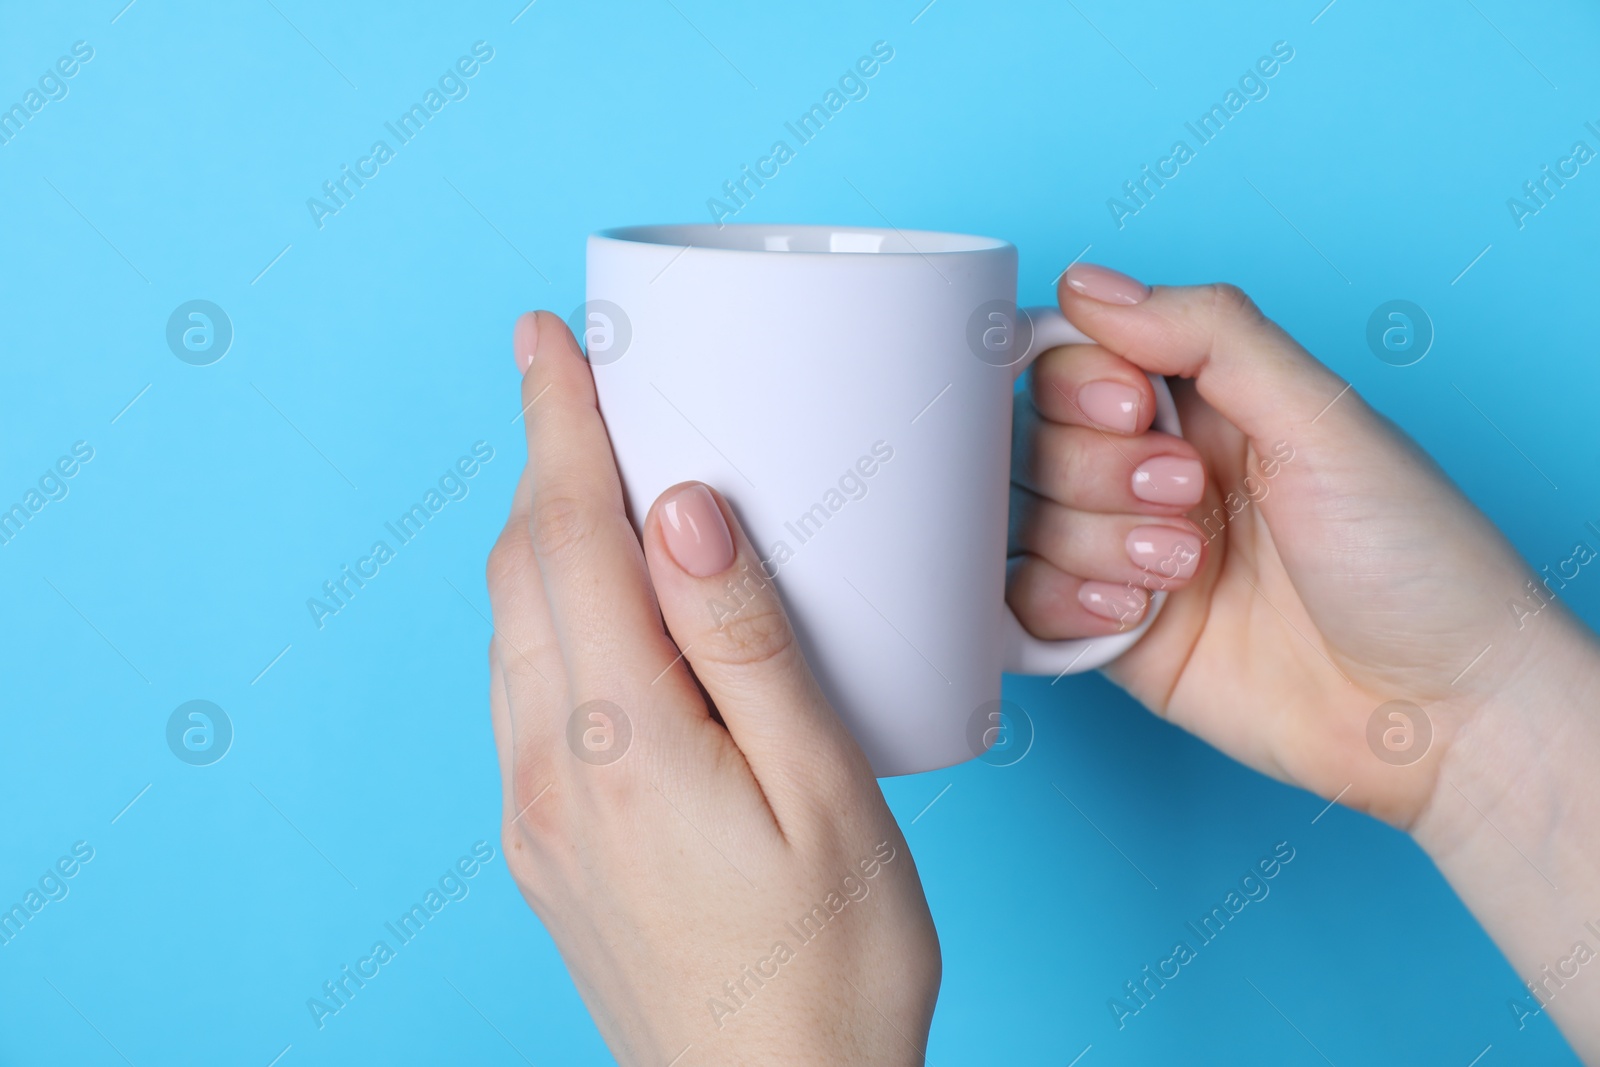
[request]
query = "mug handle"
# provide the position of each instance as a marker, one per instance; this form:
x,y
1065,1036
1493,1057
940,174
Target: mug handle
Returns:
x,y
1025,653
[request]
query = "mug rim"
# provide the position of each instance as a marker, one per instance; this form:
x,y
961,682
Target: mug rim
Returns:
x,y
750,238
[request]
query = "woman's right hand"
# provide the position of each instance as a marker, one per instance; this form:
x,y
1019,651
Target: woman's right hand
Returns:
x,y
1340,571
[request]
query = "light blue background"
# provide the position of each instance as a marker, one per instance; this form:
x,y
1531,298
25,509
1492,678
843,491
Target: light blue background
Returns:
x,y
180,164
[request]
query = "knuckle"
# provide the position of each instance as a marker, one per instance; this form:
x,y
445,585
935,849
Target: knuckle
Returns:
x,y
756,636
612,793
1043,615
560,522
1051,372
509,561
1229,301
518,663
1043,599
530,826
520,849
536,800
1060,458
511,843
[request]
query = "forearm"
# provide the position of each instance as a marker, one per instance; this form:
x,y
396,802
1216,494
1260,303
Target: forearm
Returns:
x,y
1514,825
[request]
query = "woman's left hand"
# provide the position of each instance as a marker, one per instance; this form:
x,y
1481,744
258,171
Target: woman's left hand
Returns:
x,y
696,828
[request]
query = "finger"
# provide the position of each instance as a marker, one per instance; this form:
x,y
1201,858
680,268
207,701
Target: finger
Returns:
x,y
724,612
525,340
1318,455
1086,385
1090,470
500,721
1056,606
516,595
601,604
528,656
528,786
1244,364
1153,553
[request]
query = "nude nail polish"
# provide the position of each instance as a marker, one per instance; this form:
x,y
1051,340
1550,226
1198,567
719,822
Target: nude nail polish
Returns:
x,y
695,532
1111,404
1169,553
1106,285
1171,480
1120,603
525,340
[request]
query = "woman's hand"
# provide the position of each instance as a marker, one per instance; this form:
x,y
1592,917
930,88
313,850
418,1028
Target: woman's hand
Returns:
x,y
1328,569
1321,565
698,831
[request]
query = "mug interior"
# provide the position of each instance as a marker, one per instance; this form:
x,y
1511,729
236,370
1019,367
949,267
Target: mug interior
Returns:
x,y
758,237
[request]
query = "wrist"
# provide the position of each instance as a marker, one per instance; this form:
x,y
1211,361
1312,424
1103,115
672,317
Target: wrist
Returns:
x,y
1513,818
1520,748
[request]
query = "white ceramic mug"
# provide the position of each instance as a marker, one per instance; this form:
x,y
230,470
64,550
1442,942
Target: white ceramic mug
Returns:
x,y
849,391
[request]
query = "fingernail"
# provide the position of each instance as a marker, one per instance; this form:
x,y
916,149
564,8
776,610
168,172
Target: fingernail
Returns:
x,y
696,534
1169,480
525,340
1106,285
1164,551
1120,603
1112,404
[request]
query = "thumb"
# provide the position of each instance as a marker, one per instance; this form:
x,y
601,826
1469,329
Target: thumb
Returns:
x,y
1360,516
723,611
1243,364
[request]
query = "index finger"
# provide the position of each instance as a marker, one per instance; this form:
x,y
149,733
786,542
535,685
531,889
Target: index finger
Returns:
x,y
1243,363
601,602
